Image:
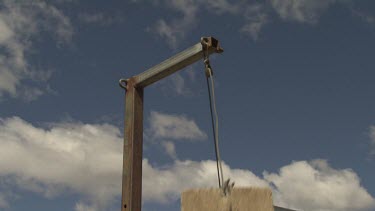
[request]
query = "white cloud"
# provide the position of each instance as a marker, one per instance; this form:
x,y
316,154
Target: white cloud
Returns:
x,y
176,84
86,159
174,127
256,18
5,32
255,14
84,207
307,11
170,33
20,23
170,149
77,157
165,184
316,186
175,30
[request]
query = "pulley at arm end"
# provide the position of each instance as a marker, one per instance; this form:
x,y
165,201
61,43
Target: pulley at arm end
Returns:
x,y
209,44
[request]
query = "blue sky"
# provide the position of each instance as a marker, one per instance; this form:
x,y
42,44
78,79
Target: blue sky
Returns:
x,y
294,91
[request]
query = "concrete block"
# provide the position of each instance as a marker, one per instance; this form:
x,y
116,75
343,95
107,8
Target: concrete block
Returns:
x,y
240,199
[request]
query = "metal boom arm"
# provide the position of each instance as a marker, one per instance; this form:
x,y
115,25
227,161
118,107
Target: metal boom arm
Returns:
x,y
133,134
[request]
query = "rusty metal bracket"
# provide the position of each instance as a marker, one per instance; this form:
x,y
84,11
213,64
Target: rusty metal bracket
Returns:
x,y
210,42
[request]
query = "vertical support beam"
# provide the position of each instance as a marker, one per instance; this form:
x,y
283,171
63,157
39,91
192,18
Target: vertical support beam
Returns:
x,y
133,142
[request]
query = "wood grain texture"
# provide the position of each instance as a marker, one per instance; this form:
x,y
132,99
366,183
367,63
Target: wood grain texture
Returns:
x,y
240,199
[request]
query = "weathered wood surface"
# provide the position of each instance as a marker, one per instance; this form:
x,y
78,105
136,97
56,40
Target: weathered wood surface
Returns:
x,y
240,199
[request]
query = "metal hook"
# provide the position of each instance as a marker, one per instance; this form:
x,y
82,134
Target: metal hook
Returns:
x,y
227,187
123,83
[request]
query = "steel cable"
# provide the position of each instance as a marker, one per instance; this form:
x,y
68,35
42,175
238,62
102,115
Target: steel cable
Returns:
x,y
215,121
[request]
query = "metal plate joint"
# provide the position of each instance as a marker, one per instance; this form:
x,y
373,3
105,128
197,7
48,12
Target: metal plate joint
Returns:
x,y
211,43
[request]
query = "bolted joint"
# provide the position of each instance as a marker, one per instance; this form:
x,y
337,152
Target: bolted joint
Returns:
x,y
210,43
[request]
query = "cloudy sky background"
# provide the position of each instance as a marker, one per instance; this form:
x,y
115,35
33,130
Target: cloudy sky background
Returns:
x,y
294,90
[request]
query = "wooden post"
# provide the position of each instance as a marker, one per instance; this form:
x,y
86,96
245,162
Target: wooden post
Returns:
x,y
133,144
